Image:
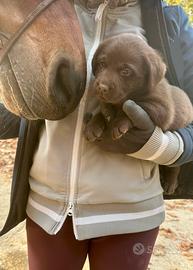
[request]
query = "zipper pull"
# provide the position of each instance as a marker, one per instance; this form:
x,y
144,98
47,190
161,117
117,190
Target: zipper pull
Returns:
x,y
100,10
70,209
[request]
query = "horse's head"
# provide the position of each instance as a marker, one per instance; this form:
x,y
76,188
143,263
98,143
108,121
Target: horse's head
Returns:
x,y
44,73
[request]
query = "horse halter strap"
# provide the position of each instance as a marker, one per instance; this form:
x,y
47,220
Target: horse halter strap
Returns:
x,y
30,18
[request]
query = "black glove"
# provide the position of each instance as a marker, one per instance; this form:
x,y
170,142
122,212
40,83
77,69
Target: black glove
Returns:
x,y
139,133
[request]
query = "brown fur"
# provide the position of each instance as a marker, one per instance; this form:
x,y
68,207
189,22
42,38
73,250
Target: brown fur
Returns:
x,y
126,67
45,74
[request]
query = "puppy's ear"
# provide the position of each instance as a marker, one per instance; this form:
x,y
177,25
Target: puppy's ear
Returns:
x,y
156,69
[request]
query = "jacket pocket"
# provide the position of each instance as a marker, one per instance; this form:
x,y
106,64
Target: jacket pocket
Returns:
x,y
148,169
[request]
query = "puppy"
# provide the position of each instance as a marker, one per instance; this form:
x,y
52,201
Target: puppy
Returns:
x,y
126,67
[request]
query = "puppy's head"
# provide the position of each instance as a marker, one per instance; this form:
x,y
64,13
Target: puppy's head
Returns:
x,y
125,67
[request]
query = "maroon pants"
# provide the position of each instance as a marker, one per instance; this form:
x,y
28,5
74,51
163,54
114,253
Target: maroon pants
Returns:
x,y
63,252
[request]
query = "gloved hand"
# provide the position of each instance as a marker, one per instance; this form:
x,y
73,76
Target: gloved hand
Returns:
x,y
143,140
141,130
143,126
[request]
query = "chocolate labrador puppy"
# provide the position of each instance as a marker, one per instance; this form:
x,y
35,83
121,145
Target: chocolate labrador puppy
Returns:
x,y
126,67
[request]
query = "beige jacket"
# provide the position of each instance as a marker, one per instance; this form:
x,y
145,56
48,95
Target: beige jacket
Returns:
x,y
105,193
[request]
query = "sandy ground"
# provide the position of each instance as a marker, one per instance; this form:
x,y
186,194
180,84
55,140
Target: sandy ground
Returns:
x,y
174,246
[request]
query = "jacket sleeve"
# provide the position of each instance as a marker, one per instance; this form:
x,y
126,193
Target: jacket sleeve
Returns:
x,y
186,41
9,124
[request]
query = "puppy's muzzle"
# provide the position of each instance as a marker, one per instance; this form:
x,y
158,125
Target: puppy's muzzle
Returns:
x,y
102,90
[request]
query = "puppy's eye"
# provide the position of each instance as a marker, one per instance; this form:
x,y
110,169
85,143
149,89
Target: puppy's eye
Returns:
x,y
125,72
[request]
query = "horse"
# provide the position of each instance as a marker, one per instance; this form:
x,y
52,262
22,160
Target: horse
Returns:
x,y
43,70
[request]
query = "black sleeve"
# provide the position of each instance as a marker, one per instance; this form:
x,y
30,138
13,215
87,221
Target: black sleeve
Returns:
x,y
186,41
9,124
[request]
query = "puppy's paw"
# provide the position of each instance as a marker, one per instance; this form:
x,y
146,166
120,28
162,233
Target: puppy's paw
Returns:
x,y
169,188
94,128
107,111
169,179
120,127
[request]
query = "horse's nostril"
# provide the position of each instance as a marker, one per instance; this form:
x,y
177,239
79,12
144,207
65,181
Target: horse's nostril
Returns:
x,y
65,83
62,80
61,72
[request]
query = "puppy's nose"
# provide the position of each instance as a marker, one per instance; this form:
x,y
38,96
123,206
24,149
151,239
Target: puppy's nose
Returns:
x,y
102,89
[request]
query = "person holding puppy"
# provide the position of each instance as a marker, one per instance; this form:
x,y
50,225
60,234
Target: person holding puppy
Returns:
x,y
84,200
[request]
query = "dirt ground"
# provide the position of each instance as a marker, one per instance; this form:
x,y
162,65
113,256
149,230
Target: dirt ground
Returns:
x,y
174,246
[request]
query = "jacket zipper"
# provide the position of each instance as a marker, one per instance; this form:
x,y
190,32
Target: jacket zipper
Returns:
x,y
70,208
74,161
